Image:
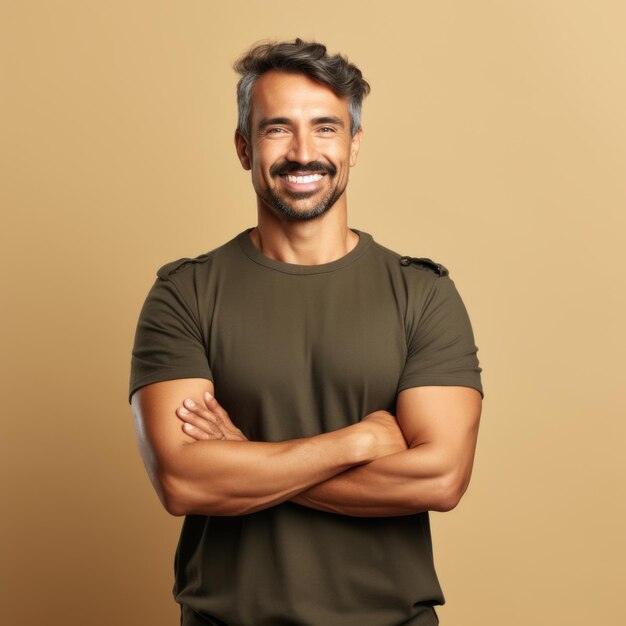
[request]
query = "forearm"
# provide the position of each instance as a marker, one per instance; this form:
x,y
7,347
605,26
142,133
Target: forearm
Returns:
x,y
405,483
429,475
239,477
440,425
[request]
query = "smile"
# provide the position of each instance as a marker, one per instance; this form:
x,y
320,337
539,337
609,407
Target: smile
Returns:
x,y
312,178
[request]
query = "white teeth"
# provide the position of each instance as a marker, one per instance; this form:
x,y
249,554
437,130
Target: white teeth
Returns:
x,y
304,179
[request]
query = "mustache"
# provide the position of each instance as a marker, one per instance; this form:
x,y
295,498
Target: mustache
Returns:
x,y
286,167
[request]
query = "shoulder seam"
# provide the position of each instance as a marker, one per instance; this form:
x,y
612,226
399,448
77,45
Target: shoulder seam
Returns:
x,y
192,310
179,263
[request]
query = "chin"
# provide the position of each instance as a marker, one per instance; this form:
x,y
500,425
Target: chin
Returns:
x,y
282,207
302,215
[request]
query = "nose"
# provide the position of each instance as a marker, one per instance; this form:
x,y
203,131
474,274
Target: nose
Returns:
x,y
302,148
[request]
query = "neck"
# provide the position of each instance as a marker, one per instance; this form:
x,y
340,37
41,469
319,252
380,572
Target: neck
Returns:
x,y
312,242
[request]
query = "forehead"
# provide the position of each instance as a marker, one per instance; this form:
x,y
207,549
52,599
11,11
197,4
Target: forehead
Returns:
x,y
284,94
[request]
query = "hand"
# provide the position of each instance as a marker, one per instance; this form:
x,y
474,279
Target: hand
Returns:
x,y
389,438
208,421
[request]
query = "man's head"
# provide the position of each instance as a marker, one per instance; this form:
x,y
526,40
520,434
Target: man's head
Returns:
x,y
299,125
299,57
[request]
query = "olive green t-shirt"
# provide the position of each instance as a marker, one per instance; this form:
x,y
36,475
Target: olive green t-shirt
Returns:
x,y
295,351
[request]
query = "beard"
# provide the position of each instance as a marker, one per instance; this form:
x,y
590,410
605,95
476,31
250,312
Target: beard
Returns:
x,y
281,206
280,203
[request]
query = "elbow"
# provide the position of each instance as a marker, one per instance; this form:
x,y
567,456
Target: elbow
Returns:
x,y
179,498
171,493
449,492
175,494
175,506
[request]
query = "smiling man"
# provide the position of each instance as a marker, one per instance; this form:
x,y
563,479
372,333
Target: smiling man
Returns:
x,y
302,394
299,158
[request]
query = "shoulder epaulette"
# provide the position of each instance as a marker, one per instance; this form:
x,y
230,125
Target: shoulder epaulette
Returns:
x,y
424,263
175,266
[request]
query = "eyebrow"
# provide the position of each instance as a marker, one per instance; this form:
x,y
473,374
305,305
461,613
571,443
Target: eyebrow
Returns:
x,y
270,121
329,120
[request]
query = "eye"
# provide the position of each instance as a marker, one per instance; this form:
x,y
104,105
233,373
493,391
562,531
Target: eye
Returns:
x,y
276,130
327,130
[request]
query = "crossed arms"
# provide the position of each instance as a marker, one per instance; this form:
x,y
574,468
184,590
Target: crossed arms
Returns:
x,y
420,459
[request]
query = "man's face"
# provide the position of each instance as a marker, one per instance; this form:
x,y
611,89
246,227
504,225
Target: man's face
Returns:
x,y
300,148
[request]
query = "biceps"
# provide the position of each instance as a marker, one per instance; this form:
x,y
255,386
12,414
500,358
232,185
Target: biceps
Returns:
x,y
445,417
159,430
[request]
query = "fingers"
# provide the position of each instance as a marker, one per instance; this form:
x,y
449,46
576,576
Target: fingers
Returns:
x,y
195,432
199,423
221,416
208,421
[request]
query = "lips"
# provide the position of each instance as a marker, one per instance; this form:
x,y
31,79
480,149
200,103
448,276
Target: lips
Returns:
x,y
304,182
302,178
289,168
308,178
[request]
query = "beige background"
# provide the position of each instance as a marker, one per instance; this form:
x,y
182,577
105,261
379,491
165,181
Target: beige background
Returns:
x,y
495,143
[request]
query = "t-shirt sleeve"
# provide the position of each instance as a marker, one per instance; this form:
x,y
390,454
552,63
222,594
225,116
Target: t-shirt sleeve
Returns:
x,y
168,340
441,348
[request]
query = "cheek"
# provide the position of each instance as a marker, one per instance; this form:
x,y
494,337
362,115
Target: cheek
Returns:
x,y
262,166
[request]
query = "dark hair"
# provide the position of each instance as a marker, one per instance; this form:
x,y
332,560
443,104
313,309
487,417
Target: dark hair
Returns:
x,y
299,57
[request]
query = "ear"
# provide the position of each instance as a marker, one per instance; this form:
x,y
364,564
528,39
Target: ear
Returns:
x,y
355,146
243,151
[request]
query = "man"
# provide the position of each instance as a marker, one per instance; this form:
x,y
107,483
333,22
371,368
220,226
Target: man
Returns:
x,y
303,395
